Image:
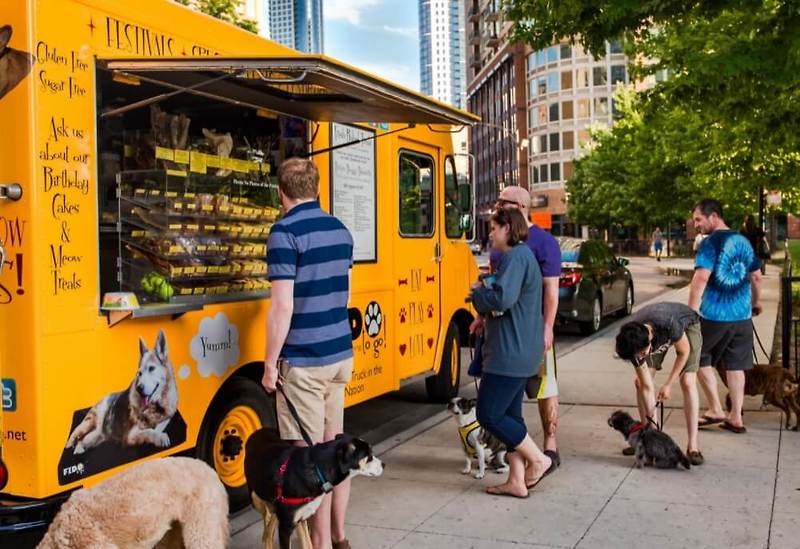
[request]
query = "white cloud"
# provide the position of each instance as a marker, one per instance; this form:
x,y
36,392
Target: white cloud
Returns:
x,y
348,10
410,32
215,348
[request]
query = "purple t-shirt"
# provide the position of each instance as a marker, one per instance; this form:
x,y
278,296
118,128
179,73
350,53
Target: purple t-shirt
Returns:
x,y
543,246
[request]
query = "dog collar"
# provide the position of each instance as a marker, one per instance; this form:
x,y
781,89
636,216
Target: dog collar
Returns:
x,y
325,483
279,497
636,428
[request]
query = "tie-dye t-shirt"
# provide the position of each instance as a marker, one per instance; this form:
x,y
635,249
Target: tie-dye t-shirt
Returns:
x,y
730,258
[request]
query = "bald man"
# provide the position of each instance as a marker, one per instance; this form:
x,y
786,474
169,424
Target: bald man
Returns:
x,y
543,386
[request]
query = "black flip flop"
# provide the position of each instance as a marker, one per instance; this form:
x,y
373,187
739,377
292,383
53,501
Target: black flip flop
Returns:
x,y
733,428
705,421
553,467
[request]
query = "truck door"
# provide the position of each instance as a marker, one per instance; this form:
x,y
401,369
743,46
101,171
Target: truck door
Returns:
x,y
417,258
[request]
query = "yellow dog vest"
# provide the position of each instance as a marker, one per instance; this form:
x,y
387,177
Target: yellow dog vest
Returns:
x,y
463,433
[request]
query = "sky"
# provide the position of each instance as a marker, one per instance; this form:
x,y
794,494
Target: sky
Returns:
x,y
379,36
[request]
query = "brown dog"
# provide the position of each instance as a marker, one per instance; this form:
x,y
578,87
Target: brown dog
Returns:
x,y
779,387
14,64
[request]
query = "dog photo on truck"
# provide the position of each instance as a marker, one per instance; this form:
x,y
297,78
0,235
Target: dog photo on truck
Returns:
x,y
127,425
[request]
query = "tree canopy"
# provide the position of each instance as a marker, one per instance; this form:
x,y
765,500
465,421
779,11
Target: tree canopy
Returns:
x,y
227,10
723,124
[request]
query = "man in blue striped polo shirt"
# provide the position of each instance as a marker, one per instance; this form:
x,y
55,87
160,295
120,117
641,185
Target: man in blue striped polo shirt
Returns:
x,y
310,254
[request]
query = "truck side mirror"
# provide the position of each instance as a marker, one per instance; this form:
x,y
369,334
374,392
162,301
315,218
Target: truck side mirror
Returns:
x,y
465,197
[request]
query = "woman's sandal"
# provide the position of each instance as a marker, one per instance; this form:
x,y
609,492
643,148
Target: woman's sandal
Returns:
x,y
705,421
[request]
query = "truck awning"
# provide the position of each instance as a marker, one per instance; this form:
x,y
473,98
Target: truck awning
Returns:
x,y
314,87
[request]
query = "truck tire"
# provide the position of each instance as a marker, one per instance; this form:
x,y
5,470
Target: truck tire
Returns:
x,y
240,409
443,386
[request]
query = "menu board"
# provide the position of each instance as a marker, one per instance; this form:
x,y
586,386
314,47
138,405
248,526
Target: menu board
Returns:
x,y
353,187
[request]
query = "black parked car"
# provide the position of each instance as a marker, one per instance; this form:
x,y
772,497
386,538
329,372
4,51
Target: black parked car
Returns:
x,y
594,283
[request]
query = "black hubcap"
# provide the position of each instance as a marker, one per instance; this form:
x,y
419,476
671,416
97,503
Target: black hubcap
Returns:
x,y
231,445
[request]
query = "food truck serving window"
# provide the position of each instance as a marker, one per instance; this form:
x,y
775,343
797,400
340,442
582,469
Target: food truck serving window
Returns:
x,y
308,86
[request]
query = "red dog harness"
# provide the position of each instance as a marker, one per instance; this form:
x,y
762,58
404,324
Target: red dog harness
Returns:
x,y
635,429
280,498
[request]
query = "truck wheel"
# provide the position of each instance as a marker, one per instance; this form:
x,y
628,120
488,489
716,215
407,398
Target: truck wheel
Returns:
x,y
593,324
237,412
443,386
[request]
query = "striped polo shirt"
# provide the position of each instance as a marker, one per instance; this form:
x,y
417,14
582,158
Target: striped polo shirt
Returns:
x,y
314,249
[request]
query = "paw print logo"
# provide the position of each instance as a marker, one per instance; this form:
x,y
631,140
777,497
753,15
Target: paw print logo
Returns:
x,y
430,311
80,468
373,319
403,314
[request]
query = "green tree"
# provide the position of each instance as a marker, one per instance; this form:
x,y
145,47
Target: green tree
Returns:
x,y
723,124
227,10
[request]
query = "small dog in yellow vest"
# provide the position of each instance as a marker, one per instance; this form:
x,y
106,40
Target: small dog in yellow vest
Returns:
x,y
476,441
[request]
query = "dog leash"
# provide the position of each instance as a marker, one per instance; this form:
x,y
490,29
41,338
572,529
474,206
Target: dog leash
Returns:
x,y
296,416
660,425
760,344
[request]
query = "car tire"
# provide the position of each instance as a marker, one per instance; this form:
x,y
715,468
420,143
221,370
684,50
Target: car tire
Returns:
x,y
593,324
627,309
443,385
241,408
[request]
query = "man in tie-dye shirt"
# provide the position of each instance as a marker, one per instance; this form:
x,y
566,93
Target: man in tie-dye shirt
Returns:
x,y
725,289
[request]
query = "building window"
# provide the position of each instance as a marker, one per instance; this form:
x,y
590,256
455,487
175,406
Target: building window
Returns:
x,y
535,174
542,85
531,62
542,110
543,173
583,108
617,74
416,194
554,142
543,143
567,170
553,112
568,144
599,76
601,106
552,54
541,58
566,110
555,172
583,137
566,80
566,51
581,78
552,82
615,46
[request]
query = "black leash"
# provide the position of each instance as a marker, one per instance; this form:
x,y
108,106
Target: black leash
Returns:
x,y
296,416
761,345
660,425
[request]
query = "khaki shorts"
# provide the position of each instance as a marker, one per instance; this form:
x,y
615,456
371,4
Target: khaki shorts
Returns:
x,y
695,337
317,393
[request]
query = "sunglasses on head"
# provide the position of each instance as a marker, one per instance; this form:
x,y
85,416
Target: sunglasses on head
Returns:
x,y
503,202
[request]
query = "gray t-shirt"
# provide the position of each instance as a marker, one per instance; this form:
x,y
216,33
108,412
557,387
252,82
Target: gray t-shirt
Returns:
x,y
669,321
514,341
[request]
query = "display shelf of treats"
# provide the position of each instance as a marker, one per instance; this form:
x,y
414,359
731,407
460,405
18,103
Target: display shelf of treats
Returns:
x,y
183,245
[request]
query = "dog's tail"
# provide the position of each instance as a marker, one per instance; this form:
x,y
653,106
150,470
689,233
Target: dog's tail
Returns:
x,y
683,459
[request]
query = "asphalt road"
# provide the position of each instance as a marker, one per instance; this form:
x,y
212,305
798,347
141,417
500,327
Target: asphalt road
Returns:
x,y
383,417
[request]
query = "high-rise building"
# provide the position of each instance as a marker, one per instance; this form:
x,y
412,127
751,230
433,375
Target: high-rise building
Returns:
x,y
536,108
293,23
442,50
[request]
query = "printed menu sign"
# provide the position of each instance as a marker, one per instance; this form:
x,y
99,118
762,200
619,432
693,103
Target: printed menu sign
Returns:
x,y
353,188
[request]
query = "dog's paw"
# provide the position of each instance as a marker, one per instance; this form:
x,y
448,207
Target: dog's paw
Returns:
x,y
501,470
479,475
79,449
466,470
162,440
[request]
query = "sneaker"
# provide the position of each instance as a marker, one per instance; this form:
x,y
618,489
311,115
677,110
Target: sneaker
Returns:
x,y
629,451
695,457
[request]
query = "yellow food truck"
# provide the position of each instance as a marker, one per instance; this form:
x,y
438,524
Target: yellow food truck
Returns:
x,y
138,156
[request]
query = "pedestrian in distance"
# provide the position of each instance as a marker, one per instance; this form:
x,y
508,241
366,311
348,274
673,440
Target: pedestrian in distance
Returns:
x,y
644,341
725,289
310,254
658,243
757,239
543,386
512,353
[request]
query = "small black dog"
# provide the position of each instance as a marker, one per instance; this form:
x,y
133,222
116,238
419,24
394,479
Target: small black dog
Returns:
x,y
651,446
287,482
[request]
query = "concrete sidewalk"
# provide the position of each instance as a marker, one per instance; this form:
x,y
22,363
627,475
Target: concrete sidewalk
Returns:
x,y
746,495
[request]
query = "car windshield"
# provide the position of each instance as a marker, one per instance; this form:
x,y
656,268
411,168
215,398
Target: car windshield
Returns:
x,y
570,249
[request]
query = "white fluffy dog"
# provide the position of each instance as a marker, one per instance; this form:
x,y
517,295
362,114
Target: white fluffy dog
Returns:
x,y
180,498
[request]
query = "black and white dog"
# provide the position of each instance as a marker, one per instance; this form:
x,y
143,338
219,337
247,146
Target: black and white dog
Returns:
x,y
651,446
287,482
476,441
